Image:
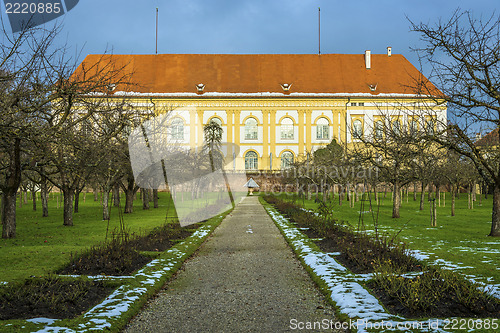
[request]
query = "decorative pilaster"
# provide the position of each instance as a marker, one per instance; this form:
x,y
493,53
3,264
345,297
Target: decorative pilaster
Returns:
x,y
308,130
265,139
301,113
272,136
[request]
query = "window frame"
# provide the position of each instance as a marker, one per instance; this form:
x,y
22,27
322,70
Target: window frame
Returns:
x,y
251,162
251,130
175,132
322,130
357,131
287,130
379,129
289,161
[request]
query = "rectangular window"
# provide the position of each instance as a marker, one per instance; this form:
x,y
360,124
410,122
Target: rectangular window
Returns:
x,y
322,132
287,132
250,135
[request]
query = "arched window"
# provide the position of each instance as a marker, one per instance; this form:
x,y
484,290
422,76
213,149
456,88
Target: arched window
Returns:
x,y
287,129
177,129
379,129
357,128
251,161
216,120
322,129
286,160
251,129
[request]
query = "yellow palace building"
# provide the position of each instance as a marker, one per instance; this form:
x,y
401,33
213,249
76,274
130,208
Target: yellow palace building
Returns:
x,y
275,107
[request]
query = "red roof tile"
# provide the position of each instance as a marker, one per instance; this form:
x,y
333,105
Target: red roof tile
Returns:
x,y
262,73
490,139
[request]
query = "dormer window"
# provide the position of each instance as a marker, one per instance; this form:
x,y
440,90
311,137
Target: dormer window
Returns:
x,y
286,87
200,87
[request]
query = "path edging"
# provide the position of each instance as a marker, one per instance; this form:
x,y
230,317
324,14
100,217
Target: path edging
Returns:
x,y
126,301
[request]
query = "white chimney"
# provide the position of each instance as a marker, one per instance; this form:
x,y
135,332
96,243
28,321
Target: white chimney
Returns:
x,y
389,51
368,59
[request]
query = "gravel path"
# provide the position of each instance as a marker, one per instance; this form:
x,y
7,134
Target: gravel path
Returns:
x,y
245,278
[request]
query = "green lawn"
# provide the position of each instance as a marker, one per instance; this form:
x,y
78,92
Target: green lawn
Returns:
x,y
459,242
43,245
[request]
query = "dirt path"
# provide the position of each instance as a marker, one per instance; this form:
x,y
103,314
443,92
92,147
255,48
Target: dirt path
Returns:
x,y
244,278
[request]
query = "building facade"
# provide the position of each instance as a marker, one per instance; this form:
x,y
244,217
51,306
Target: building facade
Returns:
x,y
275,109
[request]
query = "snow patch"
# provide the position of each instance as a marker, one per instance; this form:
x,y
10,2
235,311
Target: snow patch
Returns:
x,y
42,320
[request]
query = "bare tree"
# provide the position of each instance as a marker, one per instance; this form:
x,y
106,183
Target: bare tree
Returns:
x,y
392,148
38,96
464,53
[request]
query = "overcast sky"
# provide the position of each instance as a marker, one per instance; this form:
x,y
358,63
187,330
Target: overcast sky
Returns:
x,y
254,26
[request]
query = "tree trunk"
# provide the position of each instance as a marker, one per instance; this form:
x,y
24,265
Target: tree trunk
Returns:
x,y
438,194
474,185
129,202
9,214
480,195
33,198
95,193
415,191
69,194
155,198
44,198
9,191
453,196
422,196
130,193
145,199
77,201
469,197
116,195
495,217
105,204
341,194
396,203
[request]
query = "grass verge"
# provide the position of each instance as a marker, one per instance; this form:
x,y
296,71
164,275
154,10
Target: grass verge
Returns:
x,y
122,304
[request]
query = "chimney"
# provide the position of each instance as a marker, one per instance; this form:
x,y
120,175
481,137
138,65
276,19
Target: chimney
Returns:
x,y
389,51
368,59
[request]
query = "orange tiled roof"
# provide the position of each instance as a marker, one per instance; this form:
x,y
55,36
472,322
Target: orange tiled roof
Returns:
x,y
264,73
490,139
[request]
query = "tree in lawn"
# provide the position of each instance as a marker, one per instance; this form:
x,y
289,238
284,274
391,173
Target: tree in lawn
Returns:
x,y
23,99
212,147
390,147
333,167
326,161
37,99
110,142
464,55
426,167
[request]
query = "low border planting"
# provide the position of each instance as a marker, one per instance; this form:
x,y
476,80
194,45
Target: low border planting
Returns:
x,y
123,303
345,288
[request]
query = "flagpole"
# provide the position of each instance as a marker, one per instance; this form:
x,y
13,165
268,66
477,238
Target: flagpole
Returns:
x,y
319,30
156,30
